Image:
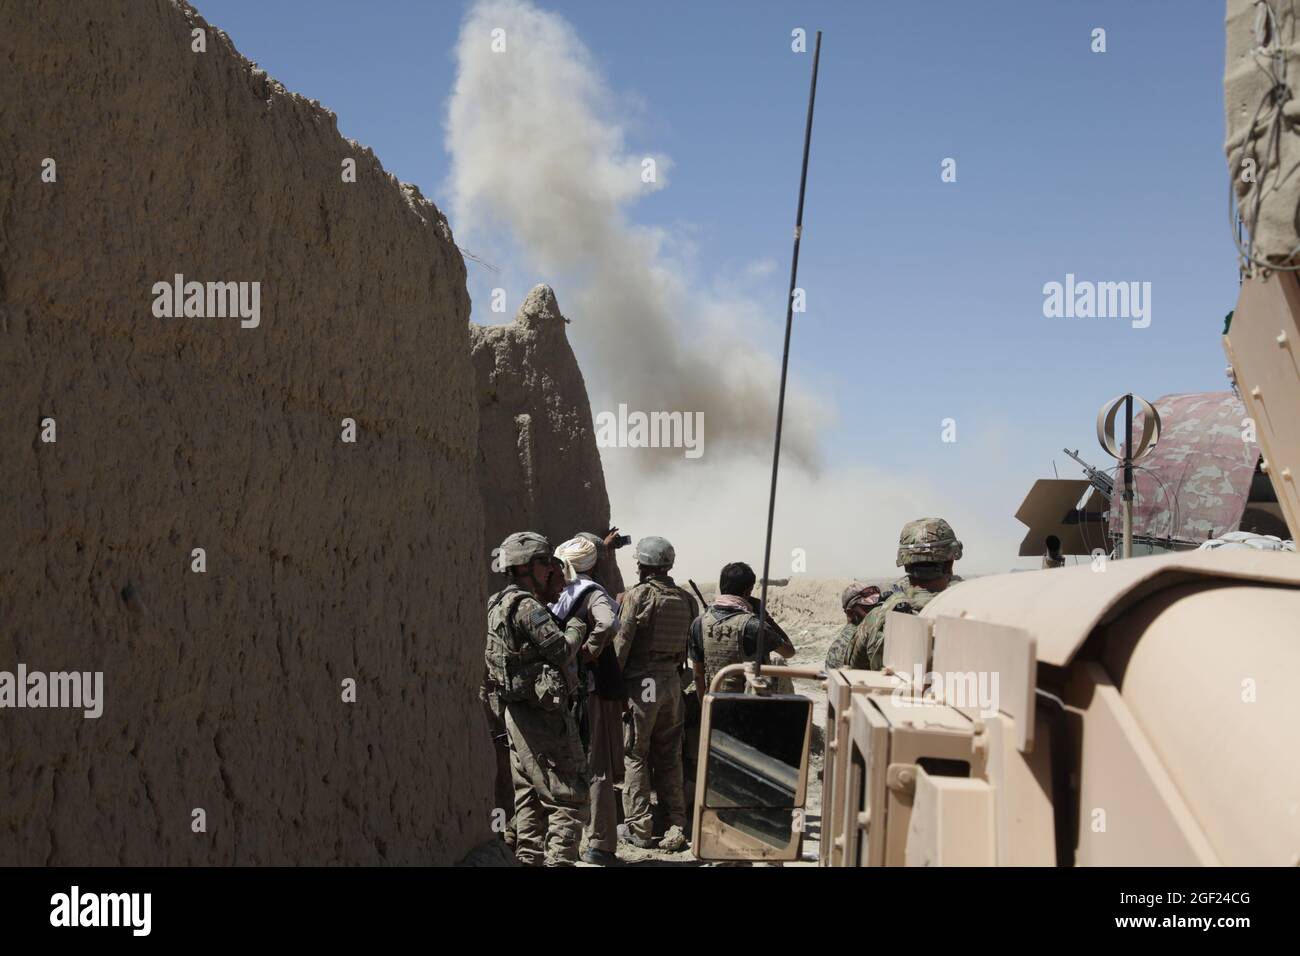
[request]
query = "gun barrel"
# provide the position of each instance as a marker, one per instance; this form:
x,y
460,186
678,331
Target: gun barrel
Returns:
x,y
1100,480
704,605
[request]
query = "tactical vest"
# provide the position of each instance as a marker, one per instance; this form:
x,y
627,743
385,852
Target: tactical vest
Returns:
x,y
910,600
911,597
514,664
671,613
723,640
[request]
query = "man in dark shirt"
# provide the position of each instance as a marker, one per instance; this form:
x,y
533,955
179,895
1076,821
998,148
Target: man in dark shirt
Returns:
x,y
727,632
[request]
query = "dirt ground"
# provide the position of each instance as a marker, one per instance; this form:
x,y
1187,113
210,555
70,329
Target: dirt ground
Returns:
x,y
809,611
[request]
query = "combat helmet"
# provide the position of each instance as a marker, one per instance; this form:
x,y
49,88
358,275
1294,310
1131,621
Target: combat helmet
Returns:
x,y
520,548
927,540
857,593
655,552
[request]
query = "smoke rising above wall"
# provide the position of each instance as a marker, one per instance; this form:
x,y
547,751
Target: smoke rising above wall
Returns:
x,y
544,184
538,155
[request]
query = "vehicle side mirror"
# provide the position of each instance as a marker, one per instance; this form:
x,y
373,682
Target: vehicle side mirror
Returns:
x,y
750,795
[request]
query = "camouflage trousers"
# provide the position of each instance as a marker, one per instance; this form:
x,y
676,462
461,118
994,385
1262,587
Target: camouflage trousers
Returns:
x,y
550,778
653,748
503,787
605,759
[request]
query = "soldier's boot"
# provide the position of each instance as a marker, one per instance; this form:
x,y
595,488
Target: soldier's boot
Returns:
x,y
598,857
626,835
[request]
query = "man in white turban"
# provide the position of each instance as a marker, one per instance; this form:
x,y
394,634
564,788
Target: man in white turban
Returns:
x,y
578,556
584,598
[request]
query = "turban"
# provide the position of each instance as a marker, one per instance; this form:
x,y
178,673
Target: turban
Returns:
x,y
576,554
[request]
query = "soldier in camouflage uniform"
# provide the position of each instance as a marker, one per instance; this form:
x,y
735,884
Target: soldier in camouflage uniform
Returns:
x,y
530,662
857,600
927,547
653,629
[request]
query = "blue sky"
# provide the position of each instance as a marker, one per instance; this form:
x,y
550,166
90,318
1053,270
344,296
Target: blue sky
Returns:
x,y
925,298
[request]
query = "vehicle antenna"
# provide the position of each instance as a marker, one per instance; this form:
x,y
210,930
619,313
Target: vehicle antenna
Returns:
x,y
785,361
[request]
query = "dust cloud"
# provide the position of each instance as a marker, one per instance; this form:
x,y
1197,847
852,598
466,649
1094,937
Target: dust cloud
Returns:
x,y
541,175
537,153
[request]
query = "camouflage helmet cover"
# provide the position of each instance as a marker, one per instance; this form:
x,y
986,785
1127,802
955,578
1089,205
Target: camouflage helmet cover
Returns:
x,y
857,593
927,539
655,552
520,548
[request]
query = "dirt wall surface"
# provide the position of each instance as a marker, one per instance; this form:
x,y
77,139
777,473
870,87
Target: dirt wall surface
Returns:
x,y
325,560
539,467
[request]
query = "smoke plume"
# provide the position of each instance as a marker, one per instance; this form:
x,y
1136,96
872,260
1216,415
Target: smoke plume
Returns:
x,y
538,154
542,182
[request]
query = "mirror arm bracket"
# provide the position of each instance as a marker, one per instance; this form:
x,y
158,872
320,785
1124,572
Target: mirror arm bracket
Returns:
x,y
770,670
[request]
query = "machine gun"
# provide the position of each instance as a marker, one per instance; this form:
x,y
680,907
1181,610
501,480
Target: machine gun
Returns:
x,y
1103,482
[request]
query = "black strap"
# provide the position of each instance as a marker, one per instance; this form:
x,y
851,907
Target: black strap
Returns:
x,y
582,600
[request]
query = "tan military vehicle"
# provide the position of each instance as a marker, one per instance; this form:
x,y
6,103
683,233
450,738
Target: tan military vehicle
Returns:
x,y
1120,712
1142,714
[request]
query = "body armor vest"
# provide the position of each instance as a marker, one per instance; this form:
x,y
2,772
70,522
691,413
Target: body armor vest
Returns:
x,y
514,664
910,600
723,640
671,613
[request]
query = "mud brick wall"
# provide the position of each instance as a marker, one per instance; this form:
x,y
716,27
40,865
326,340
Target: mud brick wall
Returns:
x,y
539,466
325,560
